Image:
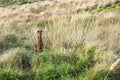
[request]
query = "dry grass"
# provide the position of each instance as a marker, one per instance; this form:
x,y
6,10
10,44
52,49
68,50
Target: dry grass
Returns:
x,y
65,29
60,27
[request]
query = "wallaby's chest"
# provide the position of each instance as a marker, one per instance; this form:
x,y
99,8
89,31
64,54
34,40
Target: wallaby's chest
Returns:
x,y
39,43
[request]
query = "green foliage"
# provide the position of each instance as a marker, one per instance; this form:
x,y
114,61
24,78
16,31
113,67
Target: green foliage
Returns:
x,y
39,65
20,2
10,38
17,59
68,34
10,74
7,74
6,2
59,66
107,8
44,23
30,20
101,75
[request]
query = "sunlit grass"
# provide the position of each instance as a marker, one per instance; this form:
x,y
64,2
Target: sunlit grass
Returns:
x,y
77,46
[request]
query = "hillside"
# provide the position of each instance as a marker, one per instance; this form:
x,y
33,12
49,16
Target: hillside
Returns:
x,y
81,39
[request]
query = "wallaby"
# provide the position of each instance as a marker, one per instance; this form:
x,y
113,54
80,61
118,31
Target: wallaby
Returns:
x,y
112,69
38,46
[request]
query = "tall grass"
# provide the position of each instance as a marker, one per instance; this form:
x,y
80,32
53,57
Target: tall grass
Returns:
x,y
21,64
77,45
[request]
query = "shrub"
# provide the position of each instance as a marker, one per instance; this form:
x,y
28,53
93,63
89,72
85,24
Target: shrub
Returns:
x,y
10,38
8,74
16,59
59,66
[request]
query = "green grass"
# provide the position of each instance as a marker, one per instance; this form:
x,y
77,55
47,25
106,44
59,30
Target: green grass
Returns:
x,y
22,65
10,38
112,7
109,7
20,2
76,46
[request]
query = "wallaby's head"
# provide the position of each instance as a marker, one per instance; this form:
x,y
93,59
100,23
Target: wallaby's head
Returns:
x,y
39,33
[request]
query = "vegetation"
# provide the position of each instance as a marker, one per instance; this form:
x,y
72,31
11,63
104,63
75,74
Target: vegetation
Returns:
x,y
81,39
8,2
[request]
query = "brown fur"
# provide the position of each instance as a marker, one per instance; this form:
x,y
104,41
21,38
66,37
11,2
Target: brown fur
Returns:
x,y
113,69
38,46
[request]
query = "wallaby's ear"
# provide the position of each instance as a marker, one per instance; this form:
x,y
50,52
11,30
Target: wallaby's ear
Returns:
x,y
38,31
41,31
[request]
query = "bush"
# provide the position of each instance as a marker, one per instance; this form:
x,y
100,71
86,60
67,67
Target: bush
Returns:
x,y
10,38
59,66
7,74
16,59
